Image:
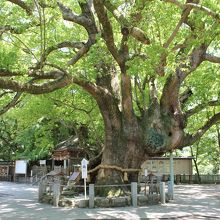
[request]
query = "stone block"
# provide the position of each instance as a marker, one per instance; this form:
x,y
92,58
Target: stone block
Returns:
x,y
142,200
81,203
102,202
118,201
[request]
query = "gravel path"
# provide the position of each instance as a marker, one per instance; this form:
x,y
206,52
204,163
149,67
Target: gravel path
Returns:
x,y
19,201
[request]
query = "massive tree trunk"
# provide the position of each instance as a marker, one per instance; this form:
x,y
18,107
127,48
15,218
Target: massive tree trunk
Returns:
x,y
130,139
123,143
123,147
128,142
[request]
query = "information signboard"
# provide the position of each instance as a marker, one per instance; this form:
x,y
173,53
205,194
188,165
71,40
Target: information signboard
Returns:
x,y
84,164
21,167
42,162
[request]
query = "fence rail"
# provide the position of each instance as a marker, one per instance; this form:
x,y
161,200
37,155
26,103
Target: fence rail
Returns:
x,y
203,179
191,179
194,179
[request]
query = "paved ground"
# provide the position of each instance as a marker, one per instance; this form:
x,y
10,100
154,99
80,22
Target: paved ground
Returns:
x,y
19,201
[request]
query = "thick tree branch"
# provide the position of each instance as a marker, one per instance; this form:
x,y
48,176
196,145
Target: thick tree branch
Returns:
x,y
77,45
188,63
69,15
37,75
173,83
11,104
185,95
108,78
96,91
196,6
86,19
135,32
7,73
81,52
182,20
107,29
170,97
185,13
186,66
137,86
120,56
212,58
6,28
200,107
126,88
23,5
192,62
65,44
206,10
31,88
124,51
191,139
153,93
126,91
197,57
57,79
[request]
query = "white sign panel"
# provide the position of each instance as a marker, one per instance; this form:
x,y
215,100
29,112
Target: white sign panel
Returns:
x,y
20,167
145,172
42,162
84,164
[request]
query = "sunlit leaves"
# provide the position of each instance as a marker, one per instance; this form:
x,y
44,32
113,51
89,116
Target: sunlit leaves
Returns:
x,y
8,57
44,121
157,19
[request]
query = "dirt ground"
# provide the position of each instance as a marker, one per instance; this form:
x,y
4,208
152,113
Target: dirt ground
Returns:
x,y
19,201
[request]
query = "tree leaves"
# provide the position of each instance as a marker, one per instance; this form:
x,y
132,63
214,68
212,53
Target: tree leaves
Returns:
x,y
176,50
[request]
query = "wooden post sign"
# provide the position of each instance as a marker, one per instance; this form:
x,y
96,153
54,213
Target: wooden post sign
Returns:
x,y
84,164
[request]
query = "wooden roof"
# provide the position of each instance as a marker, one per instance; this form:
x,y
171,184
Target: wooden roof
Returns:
x,y
69,149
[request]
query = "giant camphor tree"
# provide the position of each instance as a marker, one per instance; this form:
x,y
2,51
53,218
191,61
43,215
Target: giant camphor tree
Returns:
x,y
136,58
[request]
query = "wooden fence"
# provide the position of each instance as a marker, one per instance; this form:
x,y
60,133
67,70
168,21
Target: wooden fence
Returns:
x,y
191,179
194,179
8,178
204,179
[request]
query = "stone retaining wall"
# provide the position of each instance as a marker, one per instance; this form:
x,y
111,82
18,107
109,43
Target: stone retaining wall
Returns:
x,y
101,202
